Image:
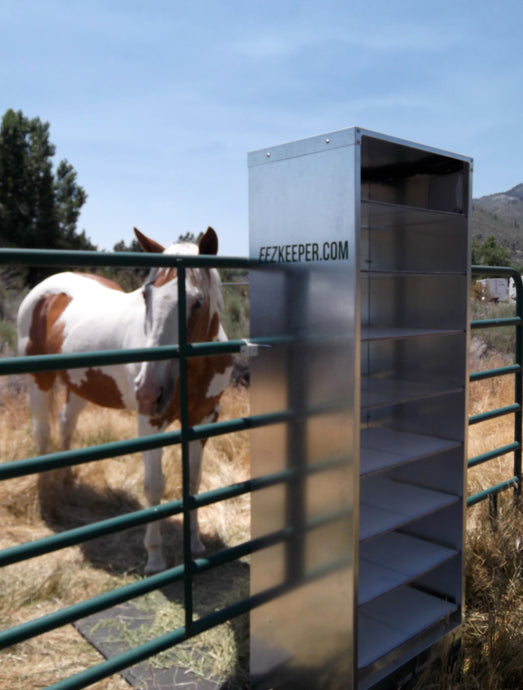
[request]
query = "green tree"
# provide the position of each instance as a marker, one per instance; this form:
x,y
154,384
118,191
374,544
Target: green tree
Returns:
x,y
490,253
39,208
69,199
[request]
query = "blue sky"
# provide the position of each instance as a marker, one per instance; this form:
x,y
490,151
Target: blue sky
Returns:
x,y
156,103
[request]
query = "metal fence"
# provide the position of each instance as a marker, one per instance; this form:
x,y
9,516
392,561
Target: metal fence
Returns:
x,y
189,568
514,408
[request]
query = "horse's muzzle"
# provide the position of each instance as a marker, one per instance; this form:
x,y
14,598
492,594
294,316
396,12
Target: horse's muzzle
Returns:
x,y
150,400
153,389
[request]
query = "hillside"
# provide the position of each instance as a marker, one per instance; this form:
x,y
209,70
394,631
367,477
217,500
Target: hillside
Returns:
x,y
507,204
501,215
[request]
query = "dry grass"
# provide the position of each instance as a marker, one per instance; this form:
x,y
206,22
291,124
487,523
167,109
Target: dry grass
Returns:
x,y
99,490
492,644
493,635
491,655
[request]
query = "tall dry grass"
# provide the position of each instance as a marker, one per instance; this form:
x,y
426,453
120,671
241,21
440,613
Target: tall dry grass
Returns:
x,y
491,656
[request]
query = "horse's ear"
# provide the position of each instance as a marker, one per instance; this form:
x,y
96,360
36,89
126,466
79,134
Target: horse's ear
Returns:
x,y
208,243
148,245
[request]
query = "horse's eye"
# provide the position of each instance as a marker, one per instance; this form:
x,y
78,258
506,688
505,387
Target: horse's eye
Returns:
x,y
198,303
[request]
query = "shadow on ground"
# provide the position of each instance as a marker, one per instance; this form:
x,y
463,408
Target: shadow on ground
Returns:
x,y
68,503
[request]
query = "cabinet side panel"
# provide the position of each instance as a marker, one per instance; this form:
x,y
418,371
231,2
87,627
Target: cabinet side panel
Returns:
x,y
302,220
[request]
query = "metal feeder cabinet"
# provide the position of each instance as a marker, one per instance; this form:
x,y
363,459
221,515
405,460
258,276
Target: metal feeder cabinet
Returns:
x,y
362,302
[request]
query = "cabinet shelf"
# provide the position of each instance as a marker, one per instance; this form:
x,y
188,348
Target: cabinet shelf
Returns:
x,y
401,238
368,271
374,333
389,216
395,559
382,449
378,392
386,504
383,625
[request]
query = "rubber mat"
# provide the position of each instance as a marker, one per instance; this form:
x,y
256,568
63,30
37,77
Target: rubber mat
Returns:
x,y
111,632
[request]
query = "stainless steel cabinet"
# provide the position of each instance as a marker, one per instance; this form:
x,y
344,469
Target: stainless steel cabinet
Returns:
x,y
392,217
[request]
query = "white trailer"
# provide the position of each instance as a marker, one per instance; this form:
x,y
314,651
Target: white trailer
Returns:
x,y
497,289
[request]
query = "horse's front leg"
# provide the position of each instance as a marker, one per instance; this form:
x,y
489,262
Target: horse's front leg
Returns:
x,y
195,475
154,485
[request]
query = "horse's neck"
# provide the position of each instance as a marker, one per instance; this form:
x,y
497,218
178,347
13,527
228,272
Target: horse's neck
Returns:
x,y
128,321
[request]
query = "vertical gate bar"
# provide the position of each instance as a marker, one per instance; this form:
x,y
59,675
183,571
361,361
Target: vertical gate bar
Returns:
x,y
184,424
518,416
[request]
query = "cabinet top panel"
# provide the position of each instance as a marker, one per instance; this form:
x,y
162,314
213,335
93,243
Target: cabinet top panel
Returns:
x,y
406,151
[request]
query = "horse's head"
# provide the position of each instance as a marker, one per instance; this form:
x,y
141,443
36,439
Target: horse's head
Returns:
x,y
156,381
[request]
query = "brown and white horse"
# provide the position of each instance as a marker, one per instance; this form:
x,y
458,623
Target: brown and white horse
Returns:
x,y
78,312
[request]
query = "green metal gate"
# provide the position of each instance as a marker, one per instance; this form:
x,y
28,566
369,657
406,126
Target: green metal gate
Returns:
x,y
513,409
189,568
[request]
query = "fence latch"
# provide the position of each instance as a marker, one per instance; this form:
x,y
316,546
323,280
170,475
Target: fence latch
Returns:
x,y
249,349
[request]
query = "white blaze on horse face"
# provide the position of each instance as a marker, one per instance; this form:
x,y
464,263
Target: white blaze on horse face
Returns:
x,y
155,382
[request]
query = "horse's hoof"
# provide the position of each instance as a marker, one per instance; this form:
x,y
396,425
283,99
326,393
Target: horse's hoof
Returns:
x,y
197,548
154,567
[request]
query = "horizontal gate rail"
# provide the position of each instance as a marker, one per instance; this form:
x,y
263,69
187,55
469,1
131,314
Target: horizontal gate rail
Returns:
x,y
79,535
494,414
493,373
492,454
64,257
511,483
495,323
25,365
515,408
34,363
102,602
79,456
160,644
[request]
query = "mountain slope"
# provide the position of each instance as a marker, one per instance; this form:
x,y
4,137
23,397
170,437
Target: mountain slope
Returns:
x,y
501,215
507,204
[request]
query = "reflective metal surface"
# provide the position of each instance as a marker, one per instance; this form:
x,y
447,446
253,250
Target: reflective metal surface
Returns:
x,y
302,224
